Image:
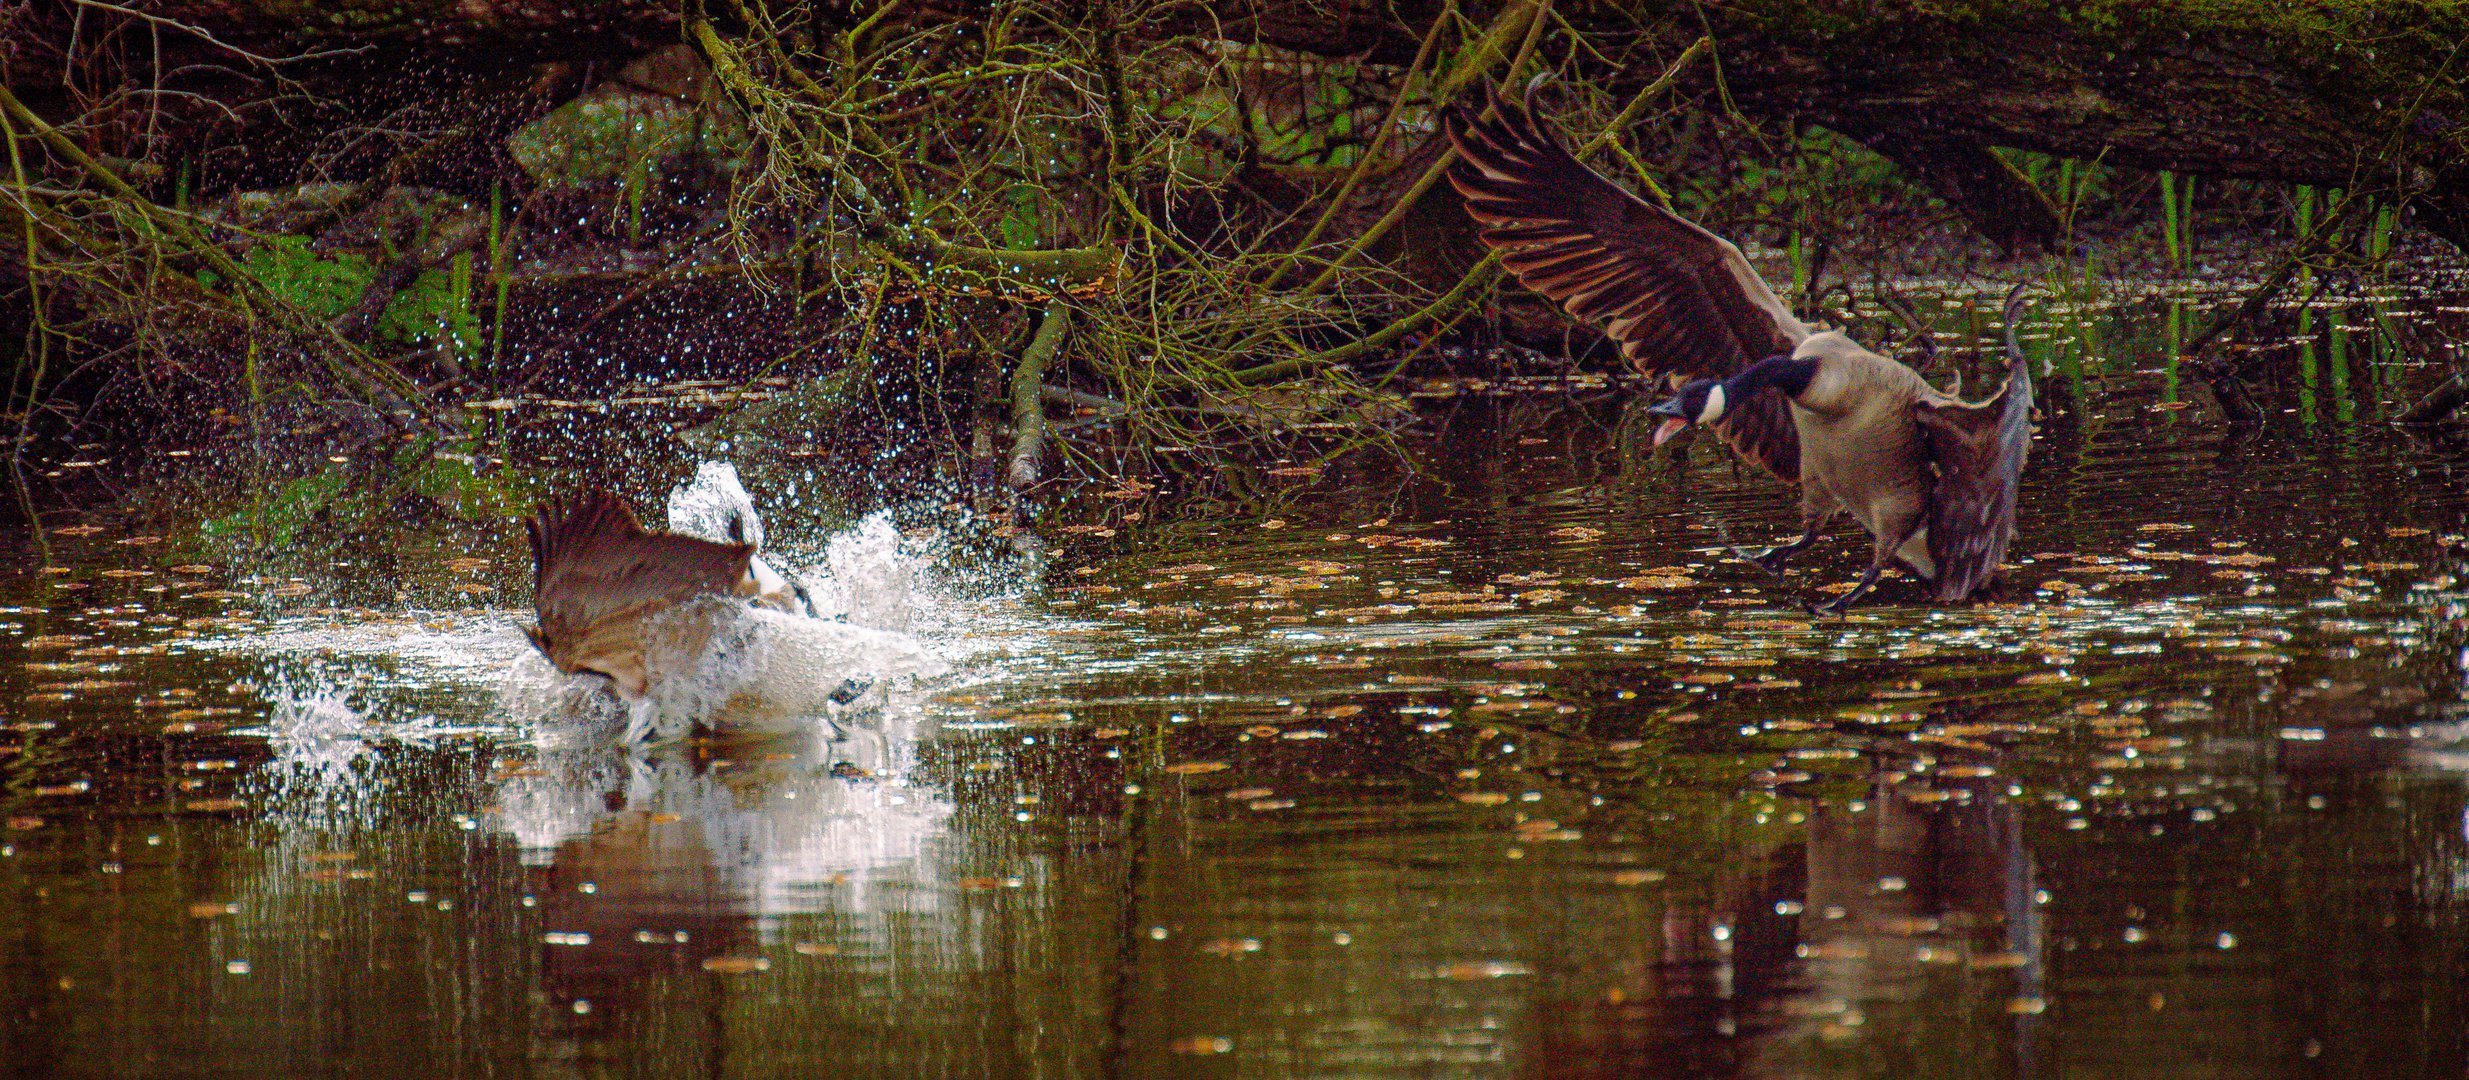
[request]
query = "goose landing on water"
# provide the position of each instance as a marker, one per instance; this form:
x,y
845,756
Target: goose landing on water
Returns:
x,y
1931,477
689,631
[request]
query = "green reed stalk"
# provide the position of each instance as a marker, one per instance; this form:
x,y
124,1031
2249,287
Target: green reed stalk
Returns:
x,y
2169,220
459,286
2177,347
497,273
1800,264
2336,360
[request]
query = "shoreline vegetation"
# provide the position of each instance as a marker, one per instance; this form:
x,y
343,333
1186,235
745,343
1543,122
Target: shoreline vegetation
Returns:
x,y
1043,244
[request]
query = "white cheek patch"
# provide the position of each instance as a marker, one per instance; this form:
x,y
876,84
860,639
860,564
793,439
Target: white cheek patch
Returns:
x,y
1714,405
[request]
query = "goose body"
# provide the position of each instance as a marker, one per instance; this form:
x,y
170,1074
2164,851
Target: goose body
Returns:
x,y
690,630
1932,478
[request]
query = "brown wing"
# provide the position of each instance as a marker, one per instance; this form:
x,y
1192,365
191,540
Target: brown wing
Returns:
x,y
596,572
1682,302
1976,454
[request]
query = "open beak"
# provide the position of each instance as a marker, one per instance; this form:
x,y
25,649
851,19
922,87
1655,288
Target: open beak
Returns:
x,y
1673,420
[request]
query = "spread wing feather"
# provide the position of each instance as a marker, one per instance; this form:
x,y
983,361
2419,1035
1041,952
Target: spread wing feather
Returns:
x,y
593,565
1976,454
1682,302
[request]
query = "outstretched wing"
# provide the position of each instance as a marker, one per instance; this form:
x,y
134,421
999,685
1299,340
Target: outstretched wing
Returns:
x,y
594,567
1682,302
1976,454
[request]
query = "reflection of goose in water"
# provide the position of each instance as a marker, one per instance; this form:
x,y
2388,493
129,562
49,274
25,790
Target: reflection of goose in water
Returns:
x,y
1880,907
694,629
650,866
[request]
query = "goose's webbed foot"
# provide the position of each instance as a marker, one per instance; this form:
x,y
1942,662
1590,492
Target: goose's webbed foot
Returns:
x,y
1843,603
1773,558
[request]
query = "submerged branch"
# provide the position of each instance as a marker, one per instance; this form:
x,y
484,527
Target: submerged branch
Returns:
x,y
2440,404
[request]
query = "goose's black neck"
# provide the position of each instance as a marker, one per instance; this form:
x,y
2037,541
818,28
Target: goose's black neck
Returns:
x,y
1781,372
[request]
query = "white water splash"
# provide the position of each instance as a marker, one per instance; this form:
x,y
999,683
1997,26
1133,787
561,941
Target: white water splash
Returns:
x,y
866,578
715,507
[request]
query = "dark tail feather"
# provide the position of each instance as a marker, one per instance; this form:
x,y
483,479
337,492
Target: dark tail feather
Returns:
x,y
1979,451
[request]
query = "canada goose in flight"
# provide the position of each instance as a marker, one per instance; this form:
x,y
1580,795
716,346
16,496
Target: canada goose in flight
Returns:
x,y
1930,476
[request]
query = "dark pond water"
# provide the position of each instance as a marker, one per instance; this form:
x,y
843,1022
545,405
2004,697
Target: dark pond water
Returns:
x,y
1489,762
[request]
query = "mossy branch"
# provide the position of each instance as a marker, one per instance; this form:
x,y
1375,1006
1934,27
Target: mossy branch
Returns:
x,y
354,367
1028,397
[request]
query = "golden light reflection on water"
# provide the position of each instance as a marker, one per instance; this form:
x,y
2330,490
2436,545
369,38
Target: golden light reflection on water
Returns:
x,y
1498,765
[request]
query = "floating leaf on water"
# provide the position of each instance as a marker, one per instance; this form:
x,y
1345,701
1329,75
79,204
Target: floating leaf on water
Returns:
x,y
1707,678
1320,567
467,564
1230,947
1626,878
736,965
1195,768
1482,798
1622,746
122,573
1242,793
212,910
1271,804
1524,665
1111,732
1201,1045
1574,532
2044,678
816,948
1304,733
1653,581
